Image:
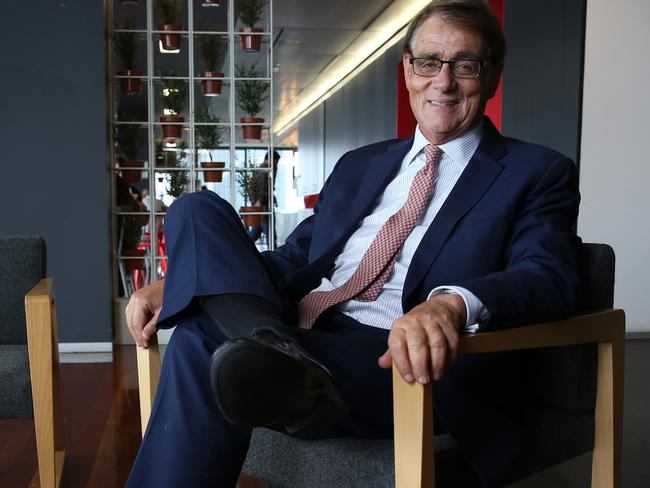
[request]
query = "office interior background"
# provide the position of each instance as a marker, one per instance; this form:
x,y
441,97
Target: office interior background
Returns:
x,y
575,80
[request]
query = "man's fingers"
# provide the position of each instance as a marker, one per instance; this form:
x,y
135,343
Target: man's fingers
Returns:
x,y
418,352
385,360
400,355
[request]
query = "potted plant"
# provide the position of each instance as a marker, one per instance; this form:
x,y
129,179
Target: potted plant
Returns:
x,y
131,238
212,53
174,94
251,95
129,140
178,180
250,188
250,12
208,137
169,13
126,48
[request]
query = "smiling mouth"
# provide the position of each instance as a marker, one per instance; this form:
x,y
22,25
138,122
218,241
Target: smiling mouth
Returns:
x,y
442,104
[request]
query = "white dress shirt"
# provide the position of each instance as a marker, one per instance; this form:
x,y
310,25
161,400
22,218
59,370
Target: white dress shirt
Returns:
x,y
388,306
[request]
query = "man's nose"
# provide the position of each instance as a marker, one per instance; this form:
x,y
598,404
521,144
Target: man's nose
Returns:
x,y
445,80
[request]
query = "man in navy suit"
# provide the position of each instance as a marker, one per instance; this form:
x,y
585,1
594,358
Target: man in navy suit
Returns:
x,y
493,247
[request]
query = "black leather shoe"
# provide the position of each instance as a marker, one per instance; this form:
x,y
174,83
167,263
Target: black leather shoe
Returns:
x,y
268,380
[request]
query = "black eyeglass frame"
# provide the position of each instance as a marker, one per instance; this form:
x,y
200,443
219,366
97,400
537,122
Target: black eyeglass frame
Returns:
x,y
451,63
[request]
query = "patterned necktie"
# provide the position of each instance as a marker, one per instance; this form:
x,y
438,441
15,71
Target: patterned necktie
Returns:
x,y
377,263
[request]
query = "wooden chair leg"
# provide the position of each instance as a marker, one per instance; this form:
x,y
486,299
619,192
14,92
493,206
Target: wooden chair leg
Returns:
x,y
607,455
148,377
413,428
44,372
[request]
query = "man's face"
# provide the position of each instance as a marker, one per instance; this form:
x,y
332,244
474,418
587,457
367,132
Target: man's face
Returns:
x,y
446,107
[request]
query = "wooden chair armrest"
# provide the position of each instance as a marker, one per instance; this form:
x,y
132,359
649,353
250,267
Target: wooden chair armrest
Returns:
x,y
413,404
148,376
43,347
596,327
42,292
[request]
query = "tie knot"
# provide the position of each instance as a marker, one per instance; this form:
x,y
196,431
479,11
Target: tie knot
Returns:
x,y
433,153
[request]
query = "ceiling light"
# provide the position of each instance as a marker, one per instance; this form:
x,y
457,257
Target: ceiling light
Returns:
x,y
387,29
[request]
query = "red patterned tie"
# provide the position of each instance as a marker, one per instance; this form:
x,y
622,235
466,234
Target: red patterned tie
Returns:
x,y
376,265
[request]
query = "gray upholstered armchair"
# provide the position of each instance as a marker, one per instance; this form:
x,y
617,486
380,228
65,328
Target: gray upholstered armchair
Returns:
x,y
579,385
29,365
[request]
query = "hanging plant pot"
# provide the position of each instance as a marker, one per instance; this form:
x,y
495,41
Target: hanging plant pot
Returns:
x,y
130,86
252,132
211,88
170,42
252,220
210,3
212,176
131,265
131,175
250,43
172,131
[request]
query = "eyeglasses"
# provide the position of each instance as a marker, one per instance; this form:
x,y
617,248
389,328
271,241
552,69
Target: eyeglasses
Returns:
x,y
460,68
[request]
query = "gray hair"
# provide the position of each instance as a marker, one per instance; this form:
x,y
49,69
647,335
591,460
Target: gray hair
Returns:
x,y
476,15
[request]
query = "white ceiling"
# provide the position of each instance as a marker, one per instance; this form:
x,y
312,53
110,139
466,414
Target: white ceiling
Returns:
x,y
308,35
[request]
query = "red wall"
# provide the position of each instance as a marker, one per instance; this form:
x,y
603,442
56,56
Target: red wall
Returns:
x,y
406,122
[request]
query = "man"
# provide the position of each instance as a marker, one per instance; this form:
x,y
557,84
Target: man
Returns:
x,y
411,242
262,180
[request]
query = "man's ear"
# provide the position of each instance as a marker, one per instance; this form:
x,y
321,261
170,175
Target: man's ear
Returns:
x,y
408,72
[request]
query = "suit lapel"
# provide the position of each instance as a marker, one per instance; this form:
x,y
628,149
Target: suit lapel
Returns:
x,y
475,180
380,170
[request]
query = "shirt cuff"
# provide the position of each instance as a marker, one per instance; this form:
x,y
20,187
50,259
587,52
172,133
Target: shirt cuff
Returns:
x,y
473,306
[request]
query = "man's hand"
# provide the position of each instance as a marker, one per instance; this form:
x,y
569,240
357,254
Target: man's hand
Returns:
x,y
423,342
142,312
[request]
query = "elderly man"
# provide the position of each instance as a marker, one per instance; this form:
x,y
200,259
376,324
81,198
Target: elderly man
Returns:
x,y
411,243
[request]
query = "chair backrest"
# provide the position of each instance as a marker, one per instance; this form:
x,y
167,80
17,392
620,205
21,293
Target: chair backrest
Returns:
x,y
22,265
564,378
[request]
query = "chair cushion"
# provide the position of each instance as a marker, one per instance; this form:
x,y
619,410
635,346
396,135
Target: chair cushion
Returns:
x,y
22,261
16,397
343,463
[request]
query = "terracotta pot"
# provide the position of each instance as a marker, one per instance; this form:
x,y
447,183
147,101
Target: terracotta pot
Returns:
x,y
252,132
172,131
249,43
211,88
170,42
210,3
131,265
212,176
132,175
130,86
252,220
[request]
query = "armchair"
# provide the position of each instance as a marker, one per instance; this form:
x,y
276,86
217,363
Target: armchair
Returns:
x,y
29,366
579,385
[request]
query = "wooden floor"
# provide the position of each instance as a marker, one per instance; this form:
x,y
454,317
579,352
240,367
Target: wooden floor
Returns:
x,y
102,427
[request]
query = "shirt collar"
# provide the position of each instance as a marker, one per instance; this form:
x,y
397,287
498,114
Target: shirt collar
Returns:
x,y
459,150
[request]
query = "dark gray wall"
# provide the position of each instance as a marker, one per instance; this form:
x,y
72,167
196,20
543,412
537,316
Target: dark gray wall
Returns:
x,y
54,171
542,82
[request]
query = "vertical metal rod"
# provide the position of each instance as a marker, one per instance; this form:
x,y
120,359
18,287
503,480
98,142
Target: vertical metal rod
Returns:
x,y
271,237
231,104
108,15
190,53
153,228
